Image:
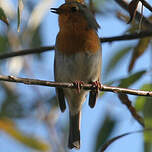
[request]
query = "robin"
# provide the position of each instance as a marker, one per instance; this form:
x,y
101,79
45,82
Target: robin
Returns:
x,y
77,59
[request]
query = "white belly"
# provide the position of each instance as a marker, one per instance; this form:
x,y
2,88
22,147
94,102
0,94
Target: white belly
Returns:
x,y
81,66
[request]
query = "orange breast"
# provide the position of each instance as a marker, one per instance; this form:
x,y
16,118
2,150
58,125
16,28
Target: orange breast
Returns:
x,y
70,42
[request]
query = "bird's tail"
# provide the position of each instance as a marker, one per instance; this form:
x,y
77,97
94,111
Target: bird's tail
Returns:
x,y
74,132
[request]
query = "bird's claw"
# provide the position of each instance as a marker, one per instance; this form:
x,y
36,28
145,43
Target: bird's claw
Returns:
x,y
78,85
97,85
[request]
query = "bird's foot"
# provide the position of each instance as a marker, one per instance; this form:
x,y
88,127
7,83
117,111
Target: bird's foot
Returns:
x,y
78,85
97,85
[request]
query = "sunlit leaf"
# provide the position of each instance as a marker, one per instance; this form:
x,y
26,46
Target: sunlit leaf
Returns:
x,y
126,82
19,13
140,101
139,104
147,145
144,105
138,51
3,16
116,59
105,131
101,94
10,128
148,123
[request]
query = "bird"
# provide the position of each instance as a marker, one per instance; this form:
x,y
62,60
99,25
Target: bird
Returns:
x,y
77,60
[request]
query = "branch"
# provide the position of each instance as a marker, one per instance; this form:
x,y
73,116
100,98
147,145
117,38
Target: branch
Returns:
x,y
102,40
127,36
109,142
26,52
146,5
138,15
71,85
125,100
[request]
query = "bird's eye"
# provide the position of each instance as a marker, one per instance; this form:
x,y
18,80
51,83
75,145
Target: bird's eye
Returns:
x,y
74,9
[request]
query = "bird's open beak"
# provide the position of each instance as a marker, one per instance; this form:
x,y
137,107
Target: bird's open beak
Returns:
x,y
55,10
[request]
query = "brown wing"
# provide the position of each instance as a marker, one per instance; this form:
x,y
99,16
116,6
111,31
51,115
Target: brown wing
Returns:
x,y
61,99
59,93
92,98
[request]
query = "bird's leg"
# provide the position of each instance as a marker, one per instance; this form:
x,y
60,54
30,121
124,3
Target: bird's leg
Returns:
x,y
96,85
78,85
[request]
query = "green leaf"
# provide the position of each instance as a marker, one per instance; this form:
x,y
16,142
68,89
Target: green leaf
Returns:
x,y
3,44
126,82
12,108
148,123
36,38
138,51
116,59
140,101
3,16
105,131
19,13
101,94
144,105
10,128
139,104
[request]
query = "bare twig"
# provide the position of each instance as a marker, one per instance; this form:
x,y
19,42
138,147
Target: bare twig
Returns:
x,y
26,52
125,100
71,85
109,142
127,37
103,40
132,9
146,5
138,15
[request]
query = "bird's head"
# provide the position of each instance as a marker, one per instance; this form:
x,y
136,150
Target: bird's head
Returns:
x,y
75,15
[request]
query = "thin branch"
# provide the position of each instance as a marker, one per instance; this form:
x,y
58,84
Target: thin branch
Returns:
x,y
125,100
146,5
109,142
127,37
103,40
71,85
26,52
138,15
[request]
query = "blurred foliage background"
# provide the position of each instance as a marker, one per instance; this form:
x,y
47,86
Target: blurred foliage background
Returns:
x,y
22,26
